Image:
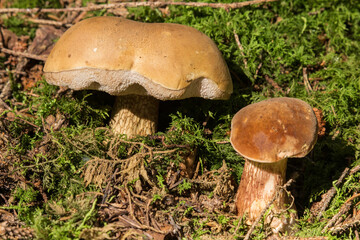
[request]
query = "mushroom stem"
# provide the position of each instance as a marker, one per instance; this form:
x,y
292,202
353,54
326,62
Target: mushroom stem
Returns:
x,y
257,187
135,115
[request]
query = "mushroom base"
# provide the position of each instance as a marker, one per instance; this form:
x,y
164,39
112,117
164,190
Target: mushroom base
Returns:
x,y
258,185
135,115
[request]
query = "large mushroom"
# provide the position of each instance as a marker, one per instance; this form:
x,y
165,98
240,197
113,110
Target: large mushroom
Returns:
x,y
266,134
140,63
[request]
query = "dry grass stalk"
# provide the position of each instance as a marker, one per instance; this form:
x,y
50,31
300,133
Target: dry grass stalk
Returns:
x,y
306,81
241,48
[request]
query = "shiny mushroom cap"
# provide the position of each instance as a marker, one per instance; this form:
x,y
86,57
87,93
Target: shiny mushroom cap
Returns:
x,y
274,129
121,57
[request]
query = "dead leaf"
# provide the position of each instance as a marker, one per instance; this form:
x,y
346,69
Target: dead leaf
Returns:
x,y
321,122
8,38
34,76
44,40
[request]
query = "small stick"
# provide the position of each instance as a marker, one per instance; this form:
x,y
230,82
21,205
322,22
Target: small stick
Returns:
x,y
306,81
354,170
357,235
344,226
274,84
338,221
316,79
330,194
134,4
241,48
287,184
353,197
258,69
49,22
2,103
344,208
13,71
26,55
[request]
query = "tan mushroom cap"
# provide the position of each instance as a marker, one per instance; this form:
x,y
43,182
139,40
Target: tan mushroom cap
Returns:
x,y
274,129
120,56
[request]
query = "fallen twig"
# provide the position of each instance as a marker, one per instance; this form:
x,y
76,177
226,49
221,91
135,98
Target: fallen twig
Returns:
x,y
357,235
22,54
344,226
138,225
241,48
135,4
274,84
304,238
306,81
354,170
13,72
49,22
258,69
344,208
16,115
330,194
353,197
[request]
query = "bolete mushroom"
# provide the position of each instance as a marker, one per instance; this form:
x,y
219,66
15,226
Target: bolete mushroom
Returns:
x,y
266,134
140,63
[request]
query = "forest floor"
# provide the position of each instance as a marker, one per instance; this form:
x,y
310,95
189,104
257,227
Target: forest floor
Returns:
x,y
65,175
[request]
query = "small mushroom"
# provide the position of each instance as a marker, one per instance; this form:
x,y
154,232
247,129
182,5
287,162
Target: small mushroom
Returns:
x,y
266,134
140,63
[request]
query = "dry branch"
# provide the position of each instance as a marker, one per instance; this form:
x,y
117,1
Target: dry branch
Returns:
x,y
12,72
49,22
25,55
345,226
344,208
354,170
330,194
135,4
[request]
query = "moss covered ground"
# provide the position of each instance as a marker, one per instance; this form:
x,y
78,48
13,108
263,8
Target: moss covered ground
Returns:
x,y
64,175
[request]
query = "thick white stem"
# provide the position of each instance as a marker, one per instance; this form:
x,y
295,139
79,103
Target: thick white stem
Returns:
x,y
135,115
258,186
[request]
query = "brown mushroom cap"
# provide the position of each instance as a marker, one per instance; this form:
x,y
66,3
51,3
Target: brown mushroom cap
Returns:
x,y
120,56
274,129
